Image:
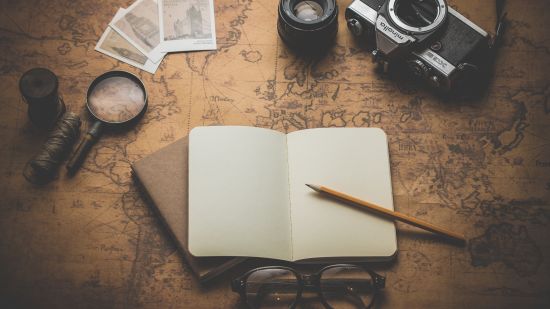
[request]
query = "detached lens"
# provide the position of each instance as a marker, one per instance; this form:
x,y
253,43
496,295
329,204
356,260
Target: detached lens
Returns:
x,y
308,25
308,10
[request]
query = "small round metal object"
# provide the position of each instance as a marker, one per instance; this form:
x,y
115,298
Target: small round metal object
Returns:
x,y
114,98
355,27
436,46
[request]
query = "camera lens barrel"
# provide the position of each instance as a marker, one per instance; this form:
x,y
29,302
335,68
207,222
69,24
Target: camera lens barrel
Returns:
x,y
308,25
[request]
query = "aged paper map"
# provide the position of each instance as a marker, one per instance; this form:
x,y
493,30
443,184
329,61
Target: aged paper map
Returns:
x,y
480,167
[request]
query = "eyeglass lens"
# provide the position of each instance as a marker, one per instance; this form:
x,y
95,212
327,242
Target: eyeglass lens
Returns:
x,y
347,287
271,288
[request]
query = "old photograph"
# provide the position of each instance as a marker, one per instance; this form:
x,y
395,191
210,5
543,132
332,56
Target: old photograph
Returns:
x,y
187,25
116,46
140,26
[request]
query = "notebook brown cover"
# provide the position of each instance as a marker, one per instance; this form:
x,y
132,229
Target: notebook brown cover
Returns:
x,y
163,177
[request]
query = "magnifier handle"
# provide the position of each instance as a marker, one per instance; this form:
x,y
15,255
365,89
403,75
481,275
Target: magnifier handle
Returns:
x,y
84,147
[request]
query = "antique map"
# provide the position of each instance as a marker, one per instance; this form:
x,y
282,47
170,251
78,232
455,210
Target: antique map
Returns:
x,y
478,167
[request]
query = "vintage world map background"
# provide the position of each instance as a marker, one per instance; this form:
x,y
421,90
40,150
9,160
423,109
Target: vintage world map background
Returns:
x,y
480,167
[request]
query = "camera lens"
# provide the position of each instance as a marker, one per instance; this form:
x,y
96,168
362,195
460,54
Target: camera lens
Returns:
x,y
308,25
308,10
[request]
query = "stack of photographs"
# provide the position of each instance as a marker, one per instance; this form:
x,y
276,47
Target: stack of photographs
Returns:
x,y
145,32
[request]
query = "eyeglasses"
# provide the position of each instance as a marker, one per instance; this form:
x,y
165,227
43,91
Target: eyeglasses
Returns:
x,y
338,286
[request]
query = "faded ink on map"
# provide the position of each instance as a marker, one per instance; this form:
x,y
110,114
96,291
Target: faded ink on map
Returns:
x,y
480,167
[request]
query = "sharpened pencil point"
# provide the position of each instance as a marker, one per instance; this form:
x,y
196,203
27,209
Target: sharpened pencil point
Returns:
x,y
314,187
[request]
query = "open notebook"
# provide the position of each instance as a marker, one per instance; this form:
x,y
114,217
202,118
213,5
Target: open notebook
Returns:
x,y
247,193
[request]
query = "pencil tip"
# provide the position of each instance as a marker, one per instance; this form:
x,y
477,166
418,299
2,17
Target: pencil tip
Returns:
x,y
314,187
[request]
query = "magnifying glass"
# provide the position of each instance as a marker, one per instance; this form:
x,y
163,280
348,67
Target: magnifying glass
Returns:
x,y
114,99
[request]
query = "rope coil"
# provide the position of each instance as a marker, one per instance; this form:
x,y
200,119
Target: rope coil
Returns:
x,y
43,166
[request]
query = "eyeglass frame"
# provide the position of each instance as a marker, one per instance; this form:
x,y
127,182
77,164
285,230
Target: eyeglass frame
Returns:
x,y
238,285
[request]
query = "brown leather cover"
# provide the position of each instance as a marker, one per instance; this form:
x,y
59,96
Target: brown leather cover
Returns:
x,y
163,177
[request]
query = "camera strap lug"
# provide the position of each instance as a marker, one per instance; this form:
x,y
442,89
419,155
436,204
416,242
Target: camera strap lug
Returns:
x,y
382,64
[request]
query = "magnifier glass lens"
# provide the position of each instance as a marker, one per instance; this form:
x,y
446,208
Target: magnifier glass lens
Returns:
x,y
116,99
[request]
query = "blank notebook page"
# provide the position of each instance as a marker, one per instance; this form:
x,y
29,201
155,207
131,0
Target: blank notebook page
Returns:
x,y
354,161
238,193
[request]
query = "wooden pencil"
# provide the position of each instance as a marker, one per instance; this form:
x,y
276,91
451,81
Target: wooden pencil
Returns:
x,y
389,213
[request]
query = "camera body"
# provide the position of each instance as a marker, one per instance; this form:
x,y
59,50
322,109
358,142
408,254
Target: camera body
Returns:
x,y
425,37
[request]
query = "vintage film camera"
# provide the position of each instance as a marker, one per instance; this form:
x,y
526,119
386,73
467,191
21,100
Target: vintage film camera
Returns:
x,y
427,38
